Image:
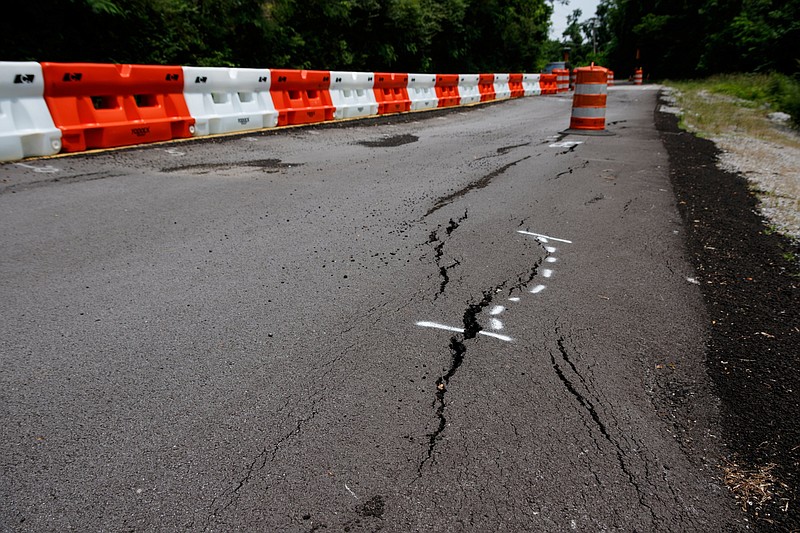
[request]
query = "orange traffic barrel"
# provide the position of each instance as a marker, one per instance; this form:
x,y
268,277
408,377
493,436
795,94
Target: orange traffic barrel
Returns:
x,y
637,77
610,78
572,76
562,79
589,101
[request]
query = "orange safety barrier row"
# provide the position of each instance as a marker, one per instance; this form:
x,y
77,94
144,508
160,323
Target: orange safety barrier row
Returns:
x,y
103,106
447,90
515,84
301,96
391,92
486,87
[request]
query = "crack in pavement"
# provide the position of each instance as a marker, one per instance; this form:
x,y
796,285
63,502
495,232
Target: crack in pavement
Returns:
x,y
458,347
477,184
439,251
570,170
269,454
457,351
589,406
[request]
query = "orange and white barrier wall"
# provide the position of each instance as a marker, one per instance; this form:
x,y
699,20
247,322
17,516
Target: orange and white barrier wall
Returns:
x,y
47,108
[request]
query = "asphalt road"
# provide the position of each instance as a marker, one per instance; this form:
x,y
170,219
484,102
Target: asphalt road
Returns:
x,y
359,327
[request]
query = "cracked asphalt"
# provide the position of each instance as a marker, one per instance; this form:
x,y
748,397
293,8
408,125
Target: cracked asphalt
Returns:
x,y
451,321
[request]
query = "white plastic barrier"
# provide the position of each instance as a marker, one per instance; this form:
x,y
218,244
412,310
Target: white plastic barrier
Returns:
x,y
422,91
468,88
530,83
501,88
352,94
225,100
26,127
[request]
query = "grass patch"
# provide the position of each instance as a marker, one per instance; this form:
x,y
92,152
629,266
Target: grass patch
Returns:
x,y
733,110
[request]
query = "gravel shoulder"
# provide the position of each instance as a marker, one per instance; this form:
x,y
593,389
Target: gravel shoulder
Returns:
x,y
749,278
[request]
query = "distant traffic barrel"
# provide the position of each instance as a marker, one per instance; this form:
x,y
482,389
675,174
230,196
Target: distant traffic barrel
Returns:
x,y
637,77
610,78
589,101
562,79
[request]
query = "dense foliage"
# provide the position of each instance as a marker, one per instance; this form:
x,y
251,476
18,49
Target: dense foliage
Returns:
x,y
395,35
688,38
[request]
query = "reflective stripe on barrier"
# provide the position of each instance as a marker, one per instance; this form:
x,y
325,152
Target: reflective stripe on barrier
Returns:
x,y
589,101
468,88
502,90
486,87
548,83
530,84
515,85
224,100
422,91
352,95
391,92
301,96
102,106
26,127
447,90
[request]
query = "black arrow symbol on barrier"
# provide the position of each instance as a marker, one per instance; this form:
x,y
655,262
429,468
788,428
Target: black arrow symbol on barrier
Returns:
x,y
23,78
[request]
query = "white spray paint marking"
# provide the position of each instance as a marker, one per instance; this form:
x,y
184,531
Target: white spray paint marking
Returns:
x,y
537,289
175,152
350,491
49,169
545,237
551,259
436,325
513,299
495,324
693,280
439,326
566,144
547,273
496,310
550,249
496,336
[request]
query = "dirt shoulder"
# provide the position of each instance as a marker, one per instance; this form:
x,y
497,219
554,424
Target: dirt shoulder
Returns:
x,y
750,284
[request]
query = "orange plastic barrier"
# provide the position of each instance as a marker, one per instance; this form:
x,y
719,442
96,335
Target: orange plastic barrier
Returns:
x,y
301,96
447,90
515,84
486,87
610,78
548,83
637,77
391,92
589,101
102,106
